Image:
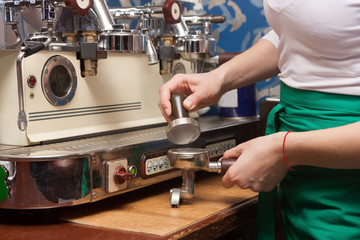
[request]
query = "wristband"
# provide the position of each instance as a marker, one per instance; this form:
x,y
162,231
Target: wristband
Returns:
x,y
283,151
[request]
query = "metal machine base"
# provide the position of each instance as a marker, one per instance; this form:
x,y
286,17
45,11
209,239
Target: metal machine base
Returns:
x,y
87,170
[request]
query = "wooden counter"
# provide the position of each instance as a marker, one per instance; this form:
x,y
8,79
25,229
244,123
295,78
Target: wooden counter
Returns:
x,y
214,212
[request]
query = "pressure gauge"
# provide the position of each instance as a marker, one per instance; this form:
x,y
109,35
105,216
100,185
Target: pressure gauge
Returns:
x,y
59,80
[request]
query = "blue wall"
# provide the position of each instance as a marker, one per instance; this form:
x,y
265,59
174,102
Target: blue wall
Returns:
x,y
245,24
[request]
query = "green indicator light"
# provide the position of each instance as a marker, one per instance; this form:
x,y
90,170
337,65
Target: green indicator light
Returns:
x,y
133,170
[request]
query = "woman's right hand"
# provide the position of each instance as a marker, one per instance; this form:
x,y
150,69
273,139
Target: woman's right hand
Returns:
x,y
202,90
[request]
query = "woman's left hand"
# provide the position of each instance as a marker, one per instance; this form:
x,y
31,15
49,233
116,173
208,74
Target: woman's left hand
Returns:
x,y
259,166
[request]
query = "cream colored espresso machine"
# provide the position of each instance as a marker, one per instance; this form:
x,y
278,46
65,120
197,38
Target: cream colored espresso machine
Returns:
x,y
79,83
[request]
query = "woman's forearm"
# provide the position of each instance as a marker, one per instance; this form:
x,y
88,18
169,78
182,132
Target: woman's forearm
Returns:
x,y
330,148
255,64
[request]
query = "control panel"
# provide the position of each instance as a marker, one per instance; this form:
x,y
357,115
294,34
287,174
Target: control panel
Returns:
x,y
155,163
114,168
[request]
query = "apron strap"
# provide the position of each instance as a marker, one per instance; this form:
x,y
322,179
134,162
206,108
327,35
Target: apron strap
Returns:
x,y
268,201
265,224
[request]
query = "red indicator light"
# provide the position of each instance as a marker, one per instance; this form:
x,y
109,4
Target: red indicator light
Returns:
x,y
31,81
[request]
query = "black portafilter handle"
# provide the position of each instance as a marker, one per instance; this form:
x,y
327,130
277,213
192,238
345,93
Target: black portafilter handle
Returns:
x,y
226,163
178,110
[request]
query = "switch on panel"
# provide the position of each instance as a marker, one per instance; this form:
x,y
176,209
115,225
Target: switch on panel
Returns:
x,y
117,175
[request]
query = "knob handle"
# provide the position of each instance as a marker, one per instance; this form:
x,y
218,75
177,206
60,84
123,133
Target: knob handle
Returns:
x,y
121,175
226,163
218,19
172,11
79,7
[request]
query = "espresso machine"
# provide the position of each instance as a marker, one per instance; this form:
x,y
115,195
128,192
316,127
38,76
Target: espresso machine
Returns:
x,y
79,92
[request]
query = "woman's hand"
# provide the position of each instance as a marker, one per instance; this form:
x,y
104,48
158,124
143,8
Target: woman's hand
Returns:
x,y
260,165
205,89
201,90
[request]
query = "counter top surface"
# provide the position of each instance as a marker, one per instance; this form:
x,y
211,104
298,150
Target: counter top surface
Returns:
x,y
145,214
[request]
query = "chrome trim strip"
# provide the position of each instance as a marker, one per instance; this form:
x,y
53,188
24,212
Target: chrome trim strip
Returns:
x,y
76,112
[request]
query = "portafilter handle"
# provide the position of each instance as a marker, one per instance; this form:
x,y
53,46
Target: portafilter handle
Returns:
x,y
226,163
220,166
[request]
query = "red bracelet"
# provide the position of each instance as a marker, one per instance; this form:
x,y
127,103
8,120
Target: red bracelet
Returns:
x,y
283,151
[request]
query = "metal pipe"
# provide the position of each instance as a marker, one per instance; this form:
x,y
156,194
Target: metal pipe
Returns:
x,y
187,189
181,28
150,50
104,17
22,121
18,40
137,12
197,66
46,11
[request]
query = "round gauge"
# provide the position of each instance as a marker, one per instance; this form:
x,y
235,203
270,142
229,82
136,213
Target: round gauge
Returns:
x,y
59,80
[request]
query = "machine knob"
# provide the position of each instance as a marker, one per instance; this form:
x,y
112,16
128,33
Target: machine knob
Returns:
x,y
121,175
79,7
172,11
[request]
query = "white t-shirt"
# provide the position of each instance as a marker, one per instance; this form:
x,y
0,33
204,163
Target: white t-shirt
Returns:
x,y
318,43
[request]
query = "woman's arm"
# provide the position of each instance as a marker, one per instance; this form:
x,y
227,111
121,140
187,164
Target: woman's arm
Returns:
x,y
256,64
337,147
260,165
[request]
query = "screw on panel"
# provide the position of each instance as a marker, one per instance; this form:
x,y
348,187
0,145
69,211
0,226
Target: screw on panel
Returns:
x,y
93,158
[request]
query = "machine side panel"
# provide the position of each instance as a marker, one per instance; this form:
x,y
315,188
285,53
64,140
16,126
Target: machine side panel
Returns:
x,y
123,94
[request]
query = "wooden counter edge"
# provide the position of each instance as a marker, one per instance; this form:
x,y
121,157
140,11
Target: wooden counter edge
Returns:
x,y
220,223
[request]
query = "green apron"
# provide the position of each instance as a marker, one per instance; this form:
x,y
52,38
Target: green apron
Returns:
x,y
317,203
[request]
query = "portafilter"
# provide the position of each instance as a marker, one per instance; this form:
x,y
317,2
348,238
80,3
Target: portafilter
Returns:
x,y
189,160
